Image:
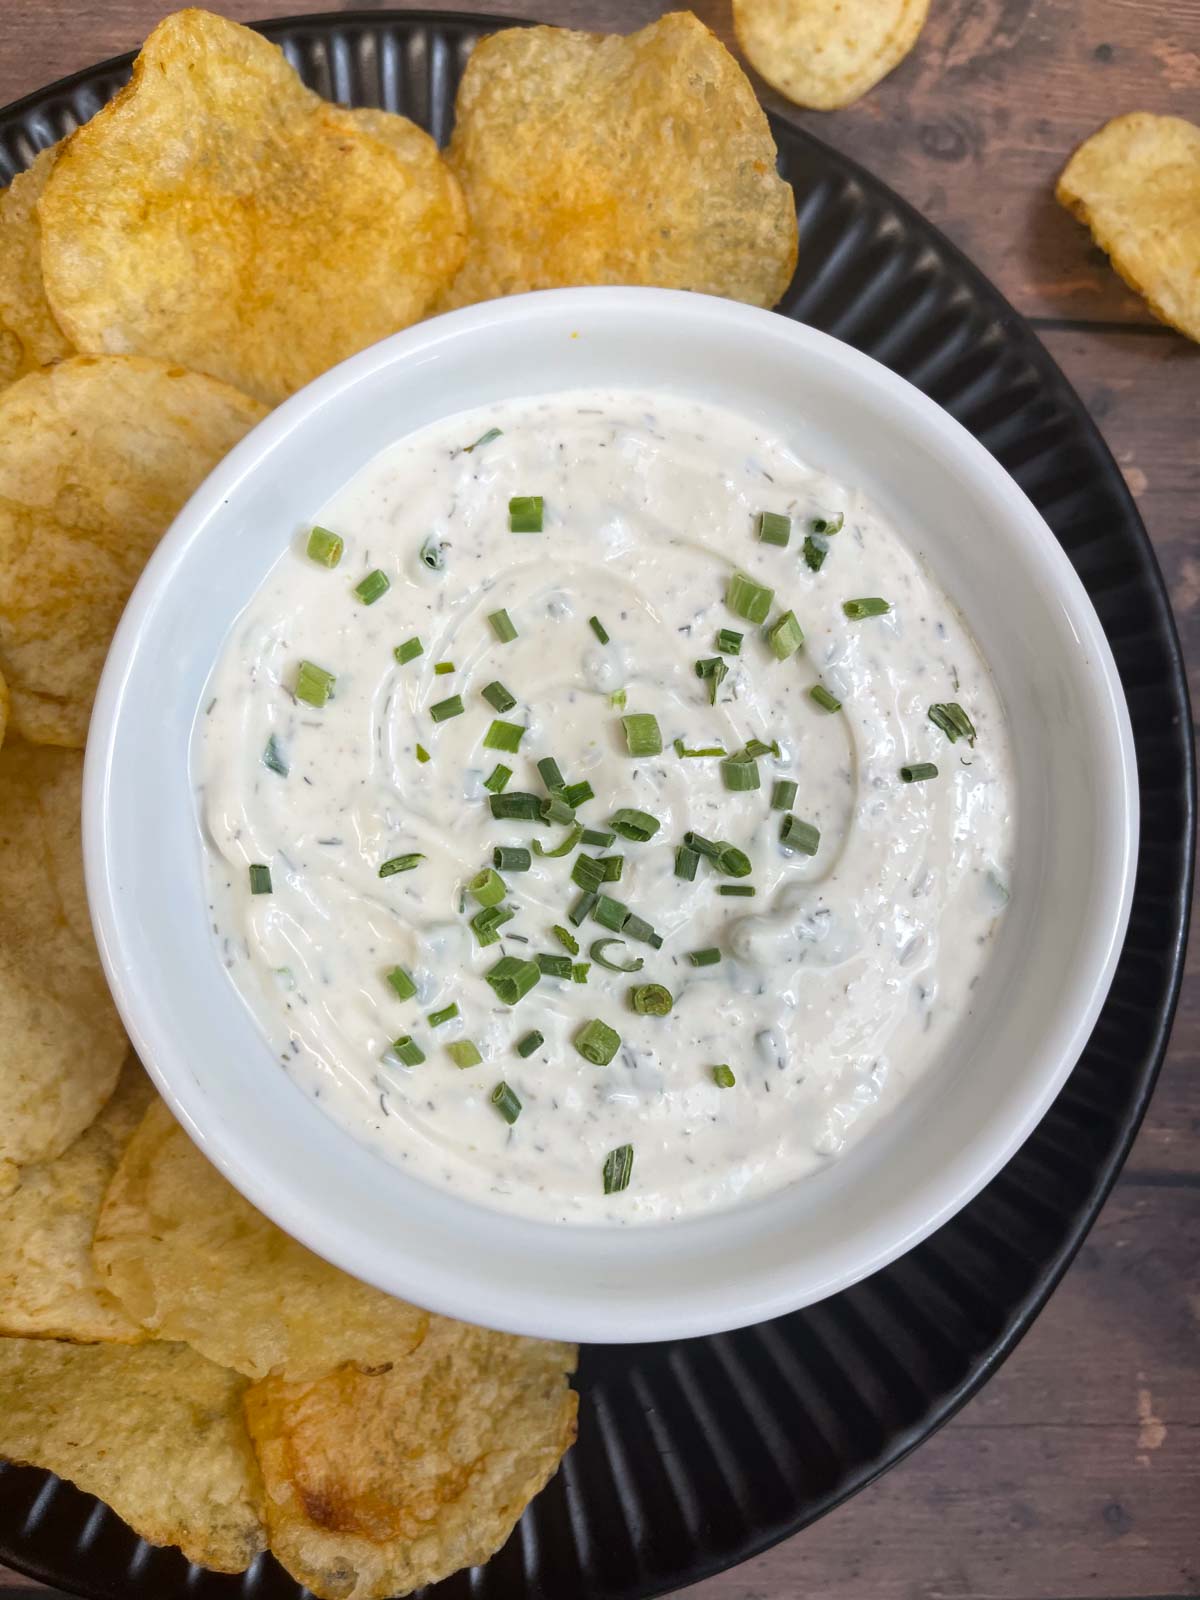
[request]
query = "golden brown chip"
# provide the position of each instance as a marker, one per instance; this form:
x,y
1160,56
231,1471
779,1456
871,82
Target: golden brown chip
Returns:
x,y
219,214
61,1042
378,1482
826,53
1136,184
189,1258
48,1285
99,455
153,1429
592,159
29,335
3,708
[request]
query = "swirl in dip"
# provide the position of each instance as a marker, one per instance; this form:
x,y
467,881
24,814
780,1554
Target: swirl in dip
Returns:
x,y
349,809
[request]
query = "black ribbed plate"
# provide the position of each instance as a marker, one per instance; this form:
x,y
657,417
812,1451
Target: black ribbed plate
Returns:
x,y
693,1456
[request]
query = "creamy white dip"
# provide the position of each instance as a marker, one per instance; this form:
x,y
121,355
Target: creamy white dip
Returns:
x,y
843,979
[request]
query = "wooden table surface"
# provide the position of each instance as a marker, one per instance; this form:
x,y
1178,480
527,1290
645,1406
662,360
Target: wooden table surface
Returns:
x,y
1075,1475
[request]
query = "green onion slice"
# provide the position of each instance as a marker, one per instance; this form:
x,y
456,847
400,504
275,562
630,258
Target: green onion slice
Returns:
x,y
512,979
773,527
324,547
747,598
445,709
504,736
464,1053
618,1169
684,754
432,555
576,794
610,913
551,774
402,982
260,879
600,837
714,671
566,939
633,824
484,438
613,866
525,513
732,862
759,747
785,636
597,1042
704,958
497,778
532,1041
579,911
869,606
729,643
919,772
740,773
517,806
372,587
506,1103
396,864
829,525
273,757
409,650
442,669
555,809
446,1014
564,847
407,1050
579,972
723,1077
803,837
597,951
686,862
652,1000
554,966
498,697
815,551
486,924
488,887
511,858
313,684
642,735
587,873
783,795
701,845
502,626
598,629
822,696
422,754
745,890
950,718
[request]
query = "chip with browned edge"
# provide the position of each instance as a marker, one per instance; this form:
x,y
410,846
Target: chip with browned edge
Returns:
x,y
592,159
99,455
1136,184
826,53
219,214
48,1285
378,1482
153,1429
189,1258
61,1041
29,335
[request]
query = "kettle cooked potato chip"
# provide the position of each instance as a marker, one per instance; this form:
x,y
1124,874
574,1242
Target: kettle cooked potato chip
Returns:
x,y
379,1482
99,455
219,214
1136,184
153,1429
826,53
593,159
29,335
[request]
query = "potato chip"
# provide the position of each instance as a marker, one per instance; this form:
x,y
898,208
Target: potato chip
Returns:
x,y
378,1482
189,1258
99,455
826,53
1136,184
29,335
48,1285
591,159
219,214
61,1042
153,1429
3,708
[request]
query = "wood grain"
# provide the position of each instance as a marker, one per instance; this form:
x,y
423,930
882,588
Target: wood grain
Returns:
x,y
1076,1472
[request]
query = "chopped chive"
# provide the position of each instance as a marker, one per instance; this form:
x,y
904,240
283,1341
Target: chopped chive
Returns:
x,y
445,709
372,587
613,866
502,626
532,1041
744,890
566,938
564,848
815,551
409,650
714,671
701,845
597,952
446,1014
704,958
551,774
759,747
785,636
801,836
324,547
432,555
407,1050
504,736
422,754
598,629
580,970
633,824
402,982
740,773
919,772
484,438
729,643
617,699
686,862
498,697
684,754
577,794
829,525
516,807
950,718
587,873
871,606
442,669
773,527
260,879
512,979
618,1169
652,1000
313,684
597,1042
554,966
822,696
747,598
506,1102
272,757
610,913
396,864
598,836
497,778
783,795
464,1053
638,928
486,924
511,858
555,809
487,887
732,862
579,911
642,735
525,513
723,1077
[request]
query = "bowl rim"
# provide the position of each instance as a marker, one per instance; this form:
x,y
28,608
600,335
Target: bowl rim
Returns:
x,y
145,1021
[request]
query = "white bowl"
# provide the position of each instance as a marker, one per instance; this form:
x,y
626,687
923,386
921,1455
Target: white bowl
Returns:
x,y
1050,971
